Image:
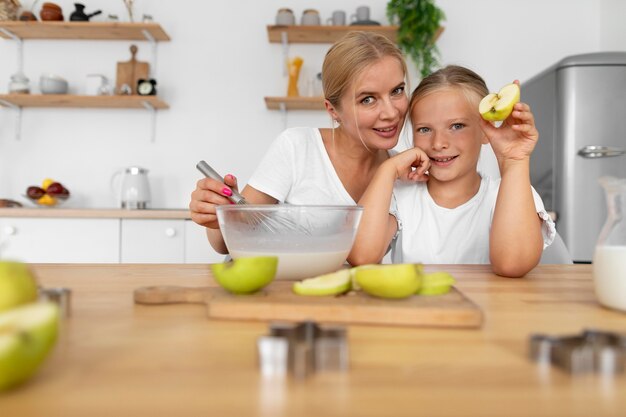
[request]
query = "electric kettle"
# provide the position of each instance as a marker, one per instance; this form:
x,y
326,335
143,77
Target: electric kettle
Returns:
x,y
133,192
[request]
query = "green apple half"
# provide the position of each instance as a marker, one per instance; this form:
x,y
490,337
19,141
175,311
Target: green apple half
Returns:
x,y
390,281
17,285
246,275
327,284
27,335
496,107
436,283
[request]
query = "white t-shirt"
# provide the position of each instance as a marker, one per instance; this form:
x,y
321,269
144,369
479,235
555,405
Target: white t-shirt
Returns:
x,y
297,170
433,234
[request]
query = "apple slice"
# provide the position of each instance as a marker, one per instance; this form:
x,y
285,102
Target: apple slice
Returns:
x,y
436,283
27,335
327,284
17,285
390,281
497,107
246,275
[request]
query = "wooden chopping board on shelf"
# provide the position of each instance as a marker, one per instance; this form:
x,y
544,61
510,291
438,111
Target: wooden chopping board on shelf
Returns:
x,y
277,302
130,71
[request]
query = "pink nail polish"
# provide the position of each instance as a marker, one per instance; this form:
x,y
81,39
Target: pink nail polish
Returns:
x,y
227,192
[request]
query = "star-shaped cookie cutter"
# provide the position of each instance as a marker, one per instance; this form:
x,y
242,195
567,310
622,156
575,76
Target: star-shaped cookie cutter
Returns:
x,y
301,349
598,351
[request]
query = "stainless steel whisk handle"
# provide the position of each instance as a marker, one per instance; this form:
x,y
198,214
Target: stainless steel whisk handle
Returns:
x,y
211,173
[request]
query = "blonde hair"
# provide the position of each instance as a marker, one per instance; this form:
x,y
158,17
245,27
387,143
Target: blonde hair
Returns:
x,y
472,84
349,56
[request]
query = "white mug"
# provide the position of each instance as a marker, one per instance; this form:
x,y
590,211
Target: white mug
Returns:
x,y
338,18
362,14
310,17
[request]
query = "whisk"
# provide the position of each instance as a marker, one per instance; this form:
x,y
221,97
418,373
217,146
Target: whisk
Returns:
x,y
271,224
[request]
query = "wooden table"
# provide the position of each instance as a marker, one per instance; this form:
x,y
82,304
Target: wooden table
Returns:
x,y
120,359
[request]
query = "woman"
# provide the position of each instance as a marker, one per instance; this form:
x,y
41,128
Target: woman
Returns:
x,y
364,79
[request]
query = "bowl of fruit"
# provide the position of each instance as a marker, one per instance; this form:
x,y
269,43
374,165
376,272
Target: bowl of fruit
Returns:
x,y
51,194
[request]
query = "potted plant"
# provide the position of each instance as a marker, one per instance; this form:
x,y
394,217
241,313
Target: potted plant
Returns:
x,y
419,22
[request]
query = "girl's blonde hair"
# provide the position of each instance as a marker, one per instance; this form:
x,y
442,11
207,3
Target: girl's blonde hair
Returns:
x,y
456,76
349,56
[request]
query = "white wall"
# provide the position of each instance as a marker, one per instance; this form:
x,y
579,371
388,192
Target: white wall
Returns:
x,y
216,71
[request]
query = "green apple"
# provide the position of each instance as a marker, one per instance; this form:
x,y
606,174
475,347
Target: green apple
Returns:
x,y
17,285
27,335
327,284
246,275
390,281
436,283
496,107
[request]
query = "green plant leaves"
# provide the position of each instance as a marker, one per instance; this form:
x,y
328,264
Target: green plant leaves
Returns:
x,y
418,22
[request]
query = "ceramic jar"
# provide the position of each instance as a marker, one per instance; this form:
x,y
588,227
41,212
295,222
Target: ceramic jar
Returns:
x,y
285,17
310,17
19,84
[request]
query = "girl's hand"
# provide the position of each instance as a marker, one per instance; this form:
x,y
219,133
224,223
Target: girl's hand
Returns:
x,y
516,138
208,194
411,165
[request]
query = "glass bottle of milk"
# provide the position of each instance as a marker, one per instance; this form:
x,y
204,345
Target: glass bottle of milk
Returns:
x,y
609,260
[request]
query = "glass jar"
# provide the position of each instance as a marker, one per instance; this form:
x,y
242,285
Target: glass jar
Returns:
x,y
609,260
19,84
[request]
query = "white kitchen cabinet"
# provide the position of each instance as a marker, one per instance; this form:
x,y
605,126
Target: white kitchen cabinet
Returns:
x,y
153,241
45,240
197,247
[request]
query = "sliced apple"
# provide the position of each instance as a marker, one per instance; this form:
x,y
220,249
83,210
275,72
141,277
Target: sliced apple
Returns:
x,y
390,281
327,284
17,285
497,107
27,336
246,275
436,283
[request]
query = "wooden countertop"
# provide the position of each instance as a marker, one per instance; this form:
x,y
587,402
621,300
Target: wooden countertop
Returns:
x,y
116,358
95,213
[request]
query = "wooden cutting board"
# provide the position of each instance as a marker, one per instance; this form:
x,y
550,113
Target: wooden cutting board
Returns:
x,y
277,302
130,71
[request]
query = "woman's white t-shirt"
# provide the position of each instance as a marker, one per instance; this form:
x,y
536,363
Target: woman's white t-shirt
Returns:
x,y
433,234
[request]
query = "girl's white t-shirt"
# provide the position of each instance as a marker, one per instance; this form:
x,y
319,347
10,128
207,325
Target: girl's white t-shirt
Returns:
x,y
433,234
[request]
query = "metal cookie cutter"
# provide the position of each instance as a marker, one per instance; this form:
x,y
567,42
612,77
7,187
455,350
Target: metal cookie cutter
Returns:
x,y
591,351
60,296
302,348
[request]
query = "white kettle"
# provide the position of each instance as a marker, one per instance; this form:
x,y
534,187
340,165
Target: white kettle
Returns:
x,y
134,190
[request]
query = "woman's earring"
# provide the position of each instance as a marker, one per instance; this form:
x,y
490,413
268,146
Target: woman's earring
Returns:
x,y
336,122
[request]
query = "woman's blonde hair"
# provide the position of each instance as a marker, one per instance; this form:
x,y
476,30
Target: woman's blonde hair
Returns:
x,y
349,56
472,84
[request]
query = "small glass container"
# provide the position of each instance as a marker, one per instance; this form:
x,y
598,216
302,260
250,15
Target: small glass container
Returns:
x,y
609,260
19,84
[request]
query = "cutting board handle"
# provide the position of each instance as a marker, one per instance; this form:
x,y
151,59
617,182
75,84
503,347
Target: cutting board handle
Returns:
x,y
170,295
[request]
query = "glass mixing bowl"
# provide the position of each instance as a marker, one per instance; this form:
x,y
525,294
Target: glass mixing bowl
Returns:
x,y
308,240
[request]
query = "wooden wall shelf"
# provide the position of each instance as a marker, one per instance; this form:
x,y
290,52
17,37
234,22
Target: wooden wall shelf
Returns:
x,y
74,101
83,30
295,103
323,34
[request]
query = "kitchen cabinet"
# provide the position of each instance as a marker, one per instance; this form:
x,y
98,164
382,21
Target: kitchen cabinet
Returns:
x,y
20,31
60,240
197,247
152,241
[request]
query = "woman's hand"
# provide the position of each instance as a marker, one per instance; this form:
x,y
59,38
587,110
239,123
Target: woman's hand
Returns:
x,y
411,165
516,138
208,194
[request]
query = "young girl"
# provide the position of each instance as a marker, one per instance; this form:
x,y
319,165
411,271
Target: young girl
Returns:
x,y
363,78
445,210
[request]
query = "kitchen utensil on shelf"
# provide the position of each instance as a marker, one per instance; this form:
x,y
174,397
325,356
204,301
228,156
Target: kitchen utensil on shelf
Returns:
x,y
19,84
51,12
310,17
338,18
285,17
253,217
134,190
53,84
79,14
130,72
277,302
609,260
